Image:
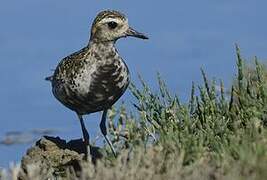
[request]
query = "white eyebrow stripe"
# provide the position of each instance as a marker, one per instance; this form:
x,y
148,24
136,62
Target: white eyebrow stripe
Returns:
x,y
105,20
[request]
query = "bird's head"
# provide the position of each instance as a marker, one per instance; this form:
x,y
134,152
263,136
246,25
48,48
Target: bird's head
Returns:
x,y
112,25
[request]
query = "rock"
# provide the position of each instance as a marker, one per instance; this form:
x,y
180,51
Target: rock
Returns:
x,y
54,157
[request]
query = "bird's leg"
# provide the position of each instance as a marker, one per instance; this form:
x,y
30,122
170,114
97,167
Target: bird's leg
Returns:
x,y
85,138
104,130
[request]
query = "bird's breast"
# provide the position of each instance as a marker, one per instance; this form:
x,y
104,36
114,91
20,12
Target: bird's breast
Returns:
x,y
102,85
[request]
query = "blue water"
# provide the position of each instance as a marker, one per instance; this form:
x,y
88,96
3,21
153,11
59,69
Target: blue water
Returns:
x,y
184,36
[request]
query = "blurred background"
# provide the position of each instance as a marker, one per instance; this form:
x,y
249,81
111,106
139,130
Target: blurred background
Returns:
x,y
185,35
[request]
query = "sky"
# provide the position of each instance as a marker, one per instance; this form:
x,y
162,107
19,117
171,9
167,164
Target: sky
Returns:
x,y
185,35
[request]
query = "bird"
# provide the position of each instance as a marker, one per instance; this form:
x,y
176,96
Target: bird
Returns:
x,y
95,77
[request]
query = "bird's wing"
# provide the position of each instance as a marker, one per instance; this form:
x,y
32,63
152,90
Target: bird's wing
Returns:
x,y
82,54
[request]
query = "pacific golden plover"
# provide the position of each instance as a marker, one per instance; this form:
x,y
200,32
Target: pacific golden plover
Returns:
x,y
95,77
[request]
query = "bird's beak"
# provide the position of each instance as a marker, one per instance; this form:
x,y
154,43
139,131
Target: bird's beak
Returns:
x,y
134,33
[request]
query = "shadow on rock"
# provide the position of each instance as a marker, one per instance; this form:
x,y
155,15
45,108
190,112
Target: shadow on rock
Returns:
x,y
76,145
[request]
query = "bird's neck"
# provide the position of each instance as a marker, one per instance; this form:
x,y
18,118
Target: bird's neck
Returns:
x,y
100,45
105,50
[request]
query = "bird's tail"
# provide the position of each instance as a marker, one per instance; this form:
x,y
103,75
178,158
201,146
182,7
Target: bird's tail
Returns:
x,y
49,78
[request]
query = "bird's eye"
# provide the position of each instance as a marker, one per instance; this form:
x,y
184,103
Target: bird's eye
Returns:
x,y
112,25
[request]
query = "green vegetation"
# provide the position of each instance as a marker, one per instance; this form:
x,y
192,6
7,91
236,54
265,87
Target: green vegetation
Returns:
x,y
225,132
216,135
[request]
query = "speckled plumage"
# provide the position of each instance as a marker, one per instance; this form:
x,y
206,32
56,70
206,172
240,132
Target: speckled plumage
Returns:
x,y
95,77
92,79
